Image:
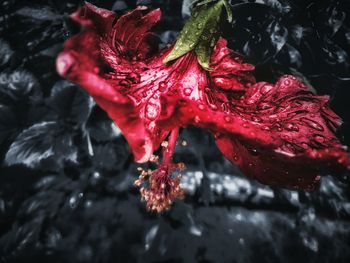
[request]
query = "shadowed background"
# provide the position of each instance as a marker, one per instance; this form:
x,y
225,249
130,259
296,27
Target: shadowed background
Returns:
x,y
66,175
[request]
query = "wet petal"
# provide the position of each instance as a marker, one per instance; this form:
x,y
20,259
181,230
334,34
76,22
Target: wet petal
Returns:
x,y
229,72
83,61
279,134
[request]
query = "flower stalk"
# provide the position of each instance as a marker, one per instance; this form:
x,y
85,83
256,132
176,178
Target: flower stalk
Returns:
x,y
163,186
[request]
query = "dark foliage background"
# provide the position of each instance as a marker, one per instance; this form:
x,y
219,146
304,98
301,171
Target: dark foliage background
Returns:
x,y
66,174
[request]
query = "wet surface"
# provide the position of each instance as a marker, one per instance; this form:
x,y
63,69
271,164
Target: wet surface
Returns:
x,y
66,184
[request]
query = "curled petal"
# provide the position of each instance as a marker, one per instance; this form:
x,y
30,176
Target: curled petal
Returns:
x,y
130,35
92,16
279,134
83,61
229,72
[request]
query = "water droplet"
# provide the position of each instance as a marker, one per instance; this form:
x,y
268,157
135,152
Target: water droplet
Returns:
x,y
134,77
162,86
197,119
96,175
152,111
139,56
213,106
278,127
199,25
265,89
250,101
312,124
201,106
319,138
265,128
227,118
304,145
291,127
264,106
286,137
254,152
235,157
256,119
187,91
124,83
73,202
245,125
287,82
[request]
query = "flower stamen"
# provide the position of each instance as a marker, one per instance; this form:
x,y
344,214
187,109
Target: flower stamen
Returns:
x,y
163,184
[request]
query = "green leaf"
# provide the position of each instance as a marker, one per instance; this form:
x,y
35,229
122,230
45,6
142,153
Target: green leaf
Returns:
x,y
208,39
200,33
225,3
202,2
228,11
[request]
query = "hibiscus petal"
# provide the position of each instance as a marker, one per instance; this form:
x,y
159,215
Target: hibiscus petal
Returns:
x,y
131,32
279,134
278,168
229,71
84,58
90,15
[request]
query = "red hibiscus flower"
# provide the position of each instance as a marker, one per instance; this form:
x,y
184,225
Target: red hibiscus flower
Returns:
x,y
280,134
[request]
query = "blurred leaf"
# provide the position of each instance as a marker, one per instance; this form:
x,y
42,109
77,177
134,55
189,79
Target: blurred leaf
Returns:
x,y
70,102
5,53
19,85
336,19
41,14
111,156
39,142
101,128
8,122
278,34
